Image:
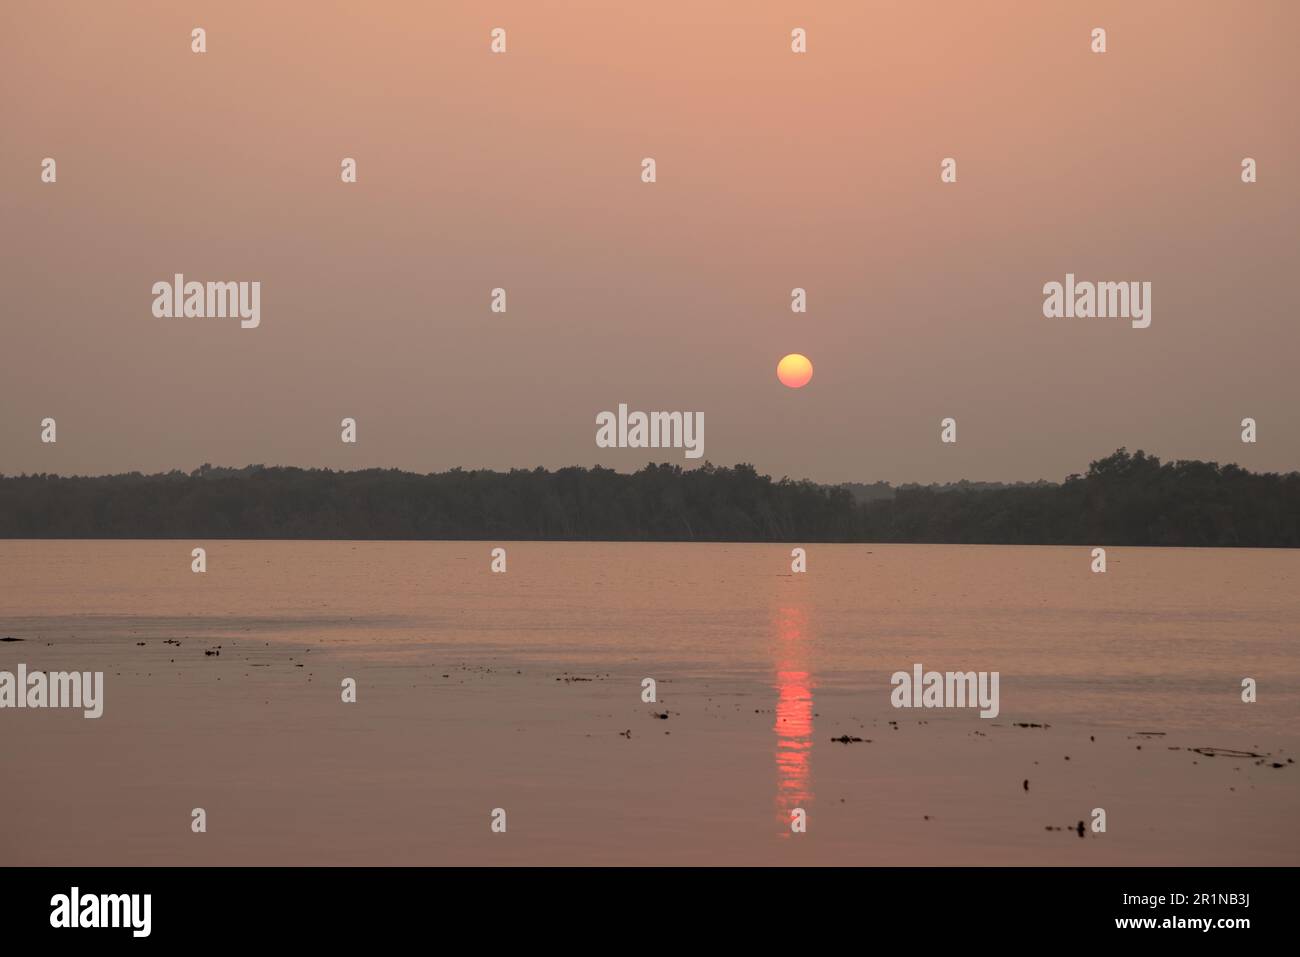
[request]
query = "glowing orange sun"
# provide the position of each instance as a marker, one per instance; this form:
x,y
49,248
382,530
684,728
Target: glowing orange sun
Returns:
x,y
794,370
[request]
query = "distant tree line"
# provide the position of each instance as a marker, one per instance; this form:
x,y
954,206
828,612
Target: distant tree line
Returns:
x,y
1123,499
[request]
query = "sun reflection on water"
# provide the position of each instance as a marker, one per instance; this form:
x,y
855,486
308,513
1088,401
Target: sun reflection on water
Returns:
x,y
794,715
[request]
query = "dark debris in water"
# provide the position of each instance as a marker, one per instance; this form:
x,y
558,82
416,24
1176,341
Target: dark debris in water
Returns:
x,y
1226,753
1078,828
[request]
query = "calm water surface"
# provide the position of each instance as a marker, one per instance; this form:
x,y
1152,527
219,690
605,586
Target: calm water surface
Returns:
x,y
514,678
1165,634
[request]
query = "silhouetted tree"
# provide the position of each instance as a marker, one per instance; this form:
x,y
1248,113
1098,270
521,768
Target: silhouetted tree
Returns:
x,y
1123,499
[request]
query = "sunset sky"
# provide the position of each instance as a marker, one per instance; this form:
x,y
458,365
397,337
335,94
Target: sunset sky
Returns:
x,y
522,170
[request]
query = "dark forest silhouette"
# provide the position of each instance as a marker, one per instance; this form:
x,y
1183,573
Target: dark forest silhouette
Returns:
x,y
1124,499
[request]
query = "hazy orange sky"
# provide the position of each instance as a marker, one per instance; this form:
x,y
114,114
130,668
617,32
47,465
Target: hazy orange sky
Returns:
x,y
522,170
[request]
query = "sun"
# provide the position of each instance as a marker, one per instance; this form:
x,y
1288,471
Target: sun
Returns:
x,y
794,370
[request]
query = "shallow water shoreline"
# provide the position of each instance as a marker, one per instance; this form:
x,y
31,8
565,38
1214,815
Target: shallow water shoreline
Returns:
x,y
524,692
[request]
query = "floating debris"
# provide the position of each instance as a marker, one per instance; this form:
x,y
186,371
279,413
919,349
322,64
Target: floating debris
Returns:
x,y
1078,828
1226,753
846,739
